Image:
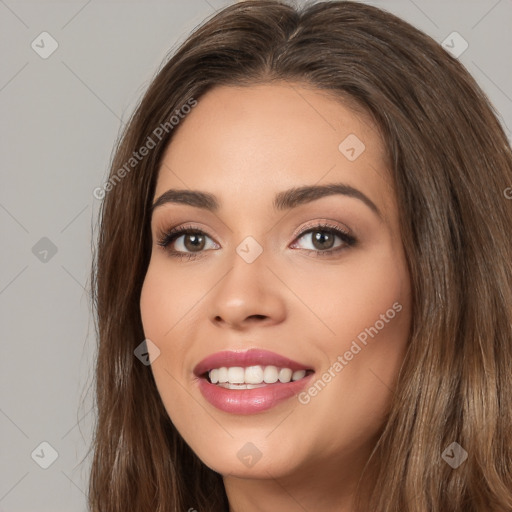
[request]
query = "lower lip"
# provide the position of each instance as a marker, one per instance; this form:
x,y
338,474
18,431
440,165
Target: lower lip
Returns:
x,y
250,401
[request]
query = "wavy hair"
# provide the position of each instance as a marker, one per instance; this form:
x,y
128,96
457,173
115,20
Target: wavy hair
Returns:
x,y
451,166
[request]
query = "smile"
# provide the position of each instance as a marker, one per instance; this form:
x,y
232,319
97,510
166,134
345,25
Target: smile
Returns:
x,y
251,381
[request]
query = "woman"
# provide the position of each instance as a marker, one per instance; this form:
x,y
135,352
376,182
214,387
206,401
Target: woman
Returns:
x,y
304,276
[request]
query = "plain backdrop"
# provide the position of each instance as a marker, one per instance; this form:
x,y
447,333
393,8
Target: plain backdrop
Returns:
x,y
61,115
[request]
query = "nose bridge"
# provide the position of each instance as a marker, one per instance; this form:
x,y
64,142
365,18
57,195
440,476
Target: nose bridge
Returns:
x,y
249,289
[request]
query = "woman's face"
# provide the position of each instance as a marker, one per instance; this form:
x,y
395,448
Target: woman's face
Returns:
x,y
274,261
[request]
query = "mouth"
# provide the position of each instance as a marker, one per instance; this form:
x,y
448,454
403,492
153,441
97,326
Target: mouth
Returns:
x,y
250,381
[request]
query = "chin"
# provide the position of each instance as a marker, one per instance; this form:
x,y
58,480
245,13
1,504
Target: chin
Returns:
x,y
250,459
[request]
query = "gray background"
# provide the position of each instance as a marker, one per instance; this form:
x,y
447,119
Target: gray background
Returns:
x,y
61,116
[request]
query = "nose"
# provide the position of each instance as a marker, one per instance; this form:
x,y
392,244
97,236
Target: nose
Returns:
x,y
249,294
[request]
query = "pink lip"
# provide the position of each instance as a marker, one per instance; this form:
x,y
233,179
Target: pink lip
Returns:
x,y
248,401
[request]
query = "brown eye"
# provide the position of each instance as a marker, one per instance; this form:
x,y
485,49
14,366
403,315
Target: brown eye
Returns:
x,y
322,240
186,242
325,240
193,242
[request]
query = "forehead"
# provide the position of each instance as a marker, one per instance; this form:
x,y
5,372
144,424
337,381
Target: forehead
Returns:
x,y
259,139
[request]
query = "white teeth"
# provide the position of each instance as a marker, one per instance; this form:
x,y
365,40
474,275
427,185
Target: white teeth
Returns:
x,y
299,374
236,375
253,376
270,374
285,375
223,374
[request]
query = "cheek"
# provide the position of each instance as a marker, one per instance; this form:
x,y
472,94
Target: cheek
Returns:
x,y
169,306
372,322
346,301
166,298
368,312
363,313
161,308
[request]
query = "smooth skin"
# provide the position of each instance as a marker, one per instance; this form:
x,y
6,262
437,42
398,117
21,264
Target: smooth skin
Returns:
x,y
244,145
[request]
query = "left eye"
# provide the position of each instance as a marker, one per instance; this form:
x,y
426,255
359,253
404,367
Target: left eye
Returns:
x,y
324,239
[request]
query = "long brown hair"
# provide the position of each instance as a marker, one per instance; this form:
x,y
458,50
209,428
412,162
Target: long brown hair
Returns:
x,y
451,165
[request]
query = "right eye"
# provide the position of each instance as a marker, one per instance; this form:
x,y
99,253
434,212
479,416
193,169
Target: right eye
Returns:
x,y
187,242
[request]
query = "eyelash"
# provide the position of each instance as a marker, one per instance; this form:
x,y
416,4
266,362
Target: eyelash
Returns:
x,y
168,237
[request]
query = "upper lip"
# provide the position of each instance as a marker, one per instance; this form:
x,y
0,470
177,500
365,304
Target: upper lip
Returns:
x,y
250,357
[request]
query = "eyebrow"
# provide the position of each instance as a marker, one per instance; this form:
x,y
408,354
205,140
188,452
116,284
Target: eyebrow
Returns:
x,y
282,201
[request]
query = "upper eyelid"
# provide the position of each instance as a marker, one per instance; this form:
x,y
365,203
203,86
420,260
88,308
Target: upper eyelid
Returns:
x,y
179,231
323,224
